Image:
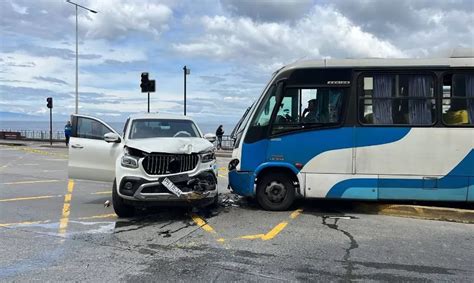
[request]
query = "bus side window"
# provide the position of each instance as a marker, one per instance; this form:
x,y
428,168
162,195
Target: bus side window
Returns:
x,y
458,99
387,99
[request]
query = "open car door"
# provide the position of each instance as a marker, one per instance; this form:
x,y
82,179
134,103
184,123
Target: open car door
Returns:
x,y
91,157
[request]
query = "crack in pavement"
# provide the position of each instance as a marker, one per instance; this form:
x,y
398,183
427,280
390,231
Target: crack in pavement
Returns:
x,y
348,265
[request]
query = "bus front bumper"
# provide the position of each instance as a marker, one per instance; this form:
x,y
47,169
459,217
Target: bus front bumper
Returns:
x,y
242,182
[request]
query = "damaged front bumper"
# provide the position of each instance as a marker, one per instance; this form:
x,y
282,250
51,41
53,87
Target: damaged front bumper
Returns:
x,y
194,188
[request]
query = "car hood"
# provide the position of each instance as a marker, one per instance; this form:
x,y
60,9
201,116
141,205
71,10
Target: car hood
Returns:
x,y
171,145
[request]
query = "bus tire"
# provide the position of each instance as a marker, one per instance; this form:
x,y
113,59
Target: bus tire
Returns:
x,y
275,191
120,207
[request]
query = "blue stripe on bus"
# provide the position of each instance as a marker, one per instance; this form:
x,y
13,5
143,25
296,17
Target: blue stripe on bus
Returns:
x,y
453,186
314,143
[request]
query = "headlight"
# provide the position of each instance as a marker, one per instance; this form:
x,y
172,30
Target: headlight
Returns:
x,y
208,157
131,157
129,161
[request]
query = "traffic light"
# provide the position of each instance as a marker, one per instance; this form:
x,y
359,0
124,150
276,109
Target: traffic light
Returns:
x,y
147,85
50,102
145,82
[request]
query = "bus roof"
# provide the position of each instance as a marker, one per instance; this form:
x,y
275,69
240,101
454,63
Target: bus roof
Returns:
x,y
457,59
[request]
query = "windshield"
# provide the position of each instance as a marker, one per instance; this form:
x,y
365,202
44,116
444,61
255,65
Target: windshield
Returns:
x,y
242,122
162,128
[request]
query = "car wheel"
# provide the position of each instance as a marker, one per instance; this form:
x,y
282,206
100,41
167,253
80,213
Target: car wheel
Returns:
x,y
120,207
275,191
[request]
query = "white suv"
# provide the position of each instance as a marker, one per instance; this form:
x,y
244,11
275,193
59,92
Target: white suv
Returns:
x,y
160,159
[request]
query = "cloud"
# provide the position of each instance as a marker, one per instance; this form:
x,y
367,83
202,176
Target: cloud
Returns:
x,y
268,11
323,32
419,27
212,79
51,80
116,19
43,51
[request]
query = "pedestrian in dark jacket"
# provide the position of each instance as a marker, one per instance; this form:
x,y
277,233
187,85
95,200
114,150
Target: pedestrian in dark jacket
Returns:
x,y
219,134
67,132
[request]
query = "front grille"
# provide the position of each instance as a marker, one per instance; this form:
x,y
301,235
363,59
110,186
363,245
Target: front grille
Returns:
x,y
161,163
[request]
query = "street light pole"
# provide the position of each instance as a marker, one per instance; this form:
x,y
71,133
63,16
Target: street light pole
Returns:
x,y
186,72
77,66
77,50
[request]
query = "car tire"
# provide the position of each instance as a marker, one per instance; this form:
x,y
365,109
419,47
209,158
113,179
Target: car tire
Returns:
x,y
275,191
120,207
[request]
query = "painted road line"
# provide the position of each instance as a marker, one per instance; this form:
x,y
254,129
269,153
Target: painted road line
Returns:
x,y
274,231
29,198
111,215
202,224
66,209
23,223
295,213
252,237
102,193
31,182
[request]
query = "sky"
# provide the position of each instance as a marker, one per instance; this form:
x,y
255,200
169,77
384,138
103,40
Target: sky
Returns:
x,y
231,47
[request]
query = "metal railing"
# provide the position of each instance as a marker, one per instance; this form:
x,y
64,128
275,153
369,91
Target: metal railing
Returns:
x,y
37,135
227,143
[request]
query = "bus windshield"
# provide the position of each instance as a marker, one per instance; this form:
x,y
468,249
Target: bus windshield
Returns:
x,y
302,107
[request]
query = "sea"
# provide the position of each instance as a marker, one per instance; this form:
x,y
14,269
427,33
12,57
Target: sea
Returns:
x,y
58,126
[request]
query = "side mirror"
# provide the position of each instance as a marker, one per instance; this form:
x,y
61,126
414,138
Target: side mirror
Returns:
x,y
210,137
112,137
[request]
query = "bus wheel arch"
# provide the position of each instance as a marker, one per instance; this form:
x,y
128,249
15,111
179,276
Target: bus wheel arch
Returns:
x,y
277,188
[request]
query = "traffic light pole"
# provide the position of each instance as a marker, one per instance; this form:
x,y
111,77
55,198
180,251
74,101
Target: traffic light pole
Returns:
x,y
148,102
51,126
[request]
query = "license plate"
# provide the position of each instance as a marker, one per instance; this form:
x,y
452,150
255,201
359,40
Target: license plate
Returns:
x,y
172,187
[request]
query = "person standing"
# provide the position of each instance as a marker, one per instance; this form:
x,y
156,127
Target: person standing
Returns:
x,y
219,134
67,132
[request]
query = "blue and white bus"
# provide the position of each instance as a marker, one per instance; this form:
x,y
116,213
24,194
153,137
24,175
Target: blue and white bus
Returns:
x,y
365,129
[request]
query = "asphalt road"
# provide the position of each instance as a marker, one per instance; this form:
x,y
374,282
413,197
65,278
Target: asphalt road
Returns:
x,y
55,229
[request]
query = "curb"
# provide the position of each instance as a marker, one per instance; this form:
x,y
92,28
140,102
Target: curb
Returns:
x,y
12,144
418,211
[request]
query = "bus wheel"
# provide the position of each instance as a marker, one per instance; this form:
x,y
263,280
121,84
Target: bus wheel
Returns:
x,y
275,191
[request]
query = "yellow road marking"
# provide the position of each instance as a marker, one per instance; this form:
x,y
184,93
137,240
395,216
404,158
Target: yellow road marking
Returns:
x,y
295,213
275,230
202,224
28,198
112,215
102,193
31,182
66,209
252,237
